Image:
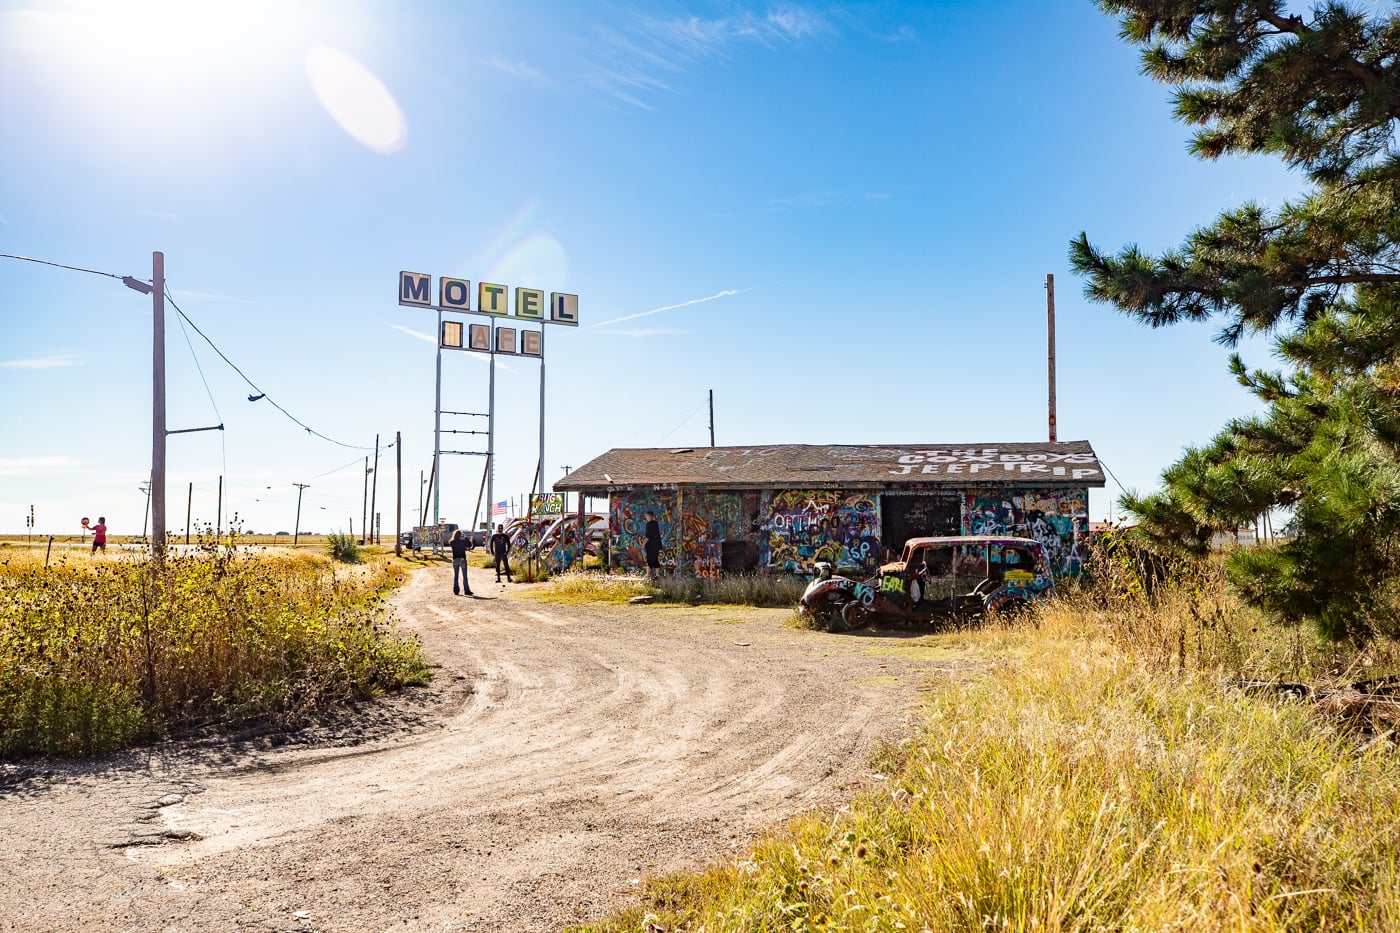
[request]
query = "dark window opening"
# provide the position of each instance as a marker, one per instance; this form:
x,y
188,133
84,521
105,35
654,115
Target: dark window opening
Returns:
x,y
906,516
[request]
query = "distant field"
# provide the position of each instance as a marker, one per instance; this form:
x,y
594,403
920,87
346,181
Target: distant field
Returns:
x,y
303,540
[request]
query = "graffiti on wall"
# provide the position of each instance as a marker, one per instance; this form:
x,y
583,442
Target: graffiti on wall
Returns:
x,y
1057,518
804,527
628,528
710,519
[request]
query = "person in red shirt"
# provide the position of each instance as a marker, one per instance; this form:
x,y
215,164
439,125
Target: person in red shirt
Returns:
x,y
99,535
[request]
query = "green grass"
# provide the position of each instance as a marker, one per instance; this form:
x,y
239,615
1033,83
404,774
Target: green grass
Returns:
x,y
755,590
1090,771
343,547
97,654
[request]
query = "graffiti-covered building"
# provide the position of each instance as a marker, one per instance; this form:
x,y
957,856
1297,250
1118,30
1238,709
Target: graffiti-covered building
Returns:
x,y
783,508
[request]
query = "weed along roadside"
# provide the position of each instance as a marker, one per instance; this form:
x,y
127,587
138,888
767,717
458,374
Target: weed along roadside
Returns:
x,y
97,655
1097,768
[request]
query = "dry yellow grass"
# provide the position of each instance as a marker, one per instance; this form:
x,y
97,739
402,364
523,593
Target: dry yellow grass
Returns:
x,y
1097,775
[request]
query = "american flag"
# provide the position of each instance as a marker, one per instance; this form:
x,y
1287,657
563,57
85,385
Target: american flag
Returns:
x,y
500,508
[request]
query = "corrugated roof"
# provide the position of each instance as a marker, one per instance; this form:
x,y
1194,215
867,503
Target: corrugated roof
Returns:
x,y
857,466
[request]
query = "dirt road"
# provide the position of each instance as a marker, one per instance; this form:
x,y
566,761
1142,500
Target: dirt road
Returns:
x,y
561,754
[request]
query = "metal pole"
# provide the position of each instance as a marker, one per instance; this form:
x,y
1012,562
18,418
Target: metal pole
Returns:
x,y
219,511
374,493
542,328
712,417
582,530
398,498
1050,326
157,500
476,513
437,424
189,501
491,438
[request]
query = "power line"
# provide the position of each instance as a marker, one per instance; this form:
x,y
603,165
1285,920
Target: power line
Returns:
x,y
339,468
59,265
261,393
223,443
682,423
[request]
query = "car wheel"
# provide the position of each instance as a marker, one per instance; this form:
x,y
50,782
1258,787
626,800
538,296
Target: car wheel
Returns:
x,y
856,615
1008,610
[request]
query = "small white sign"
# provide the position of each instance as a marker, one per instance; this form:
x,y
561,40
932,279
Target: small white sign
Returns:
x,y
416,289
454,294
452,335
480,338
563,309
529,304
492,298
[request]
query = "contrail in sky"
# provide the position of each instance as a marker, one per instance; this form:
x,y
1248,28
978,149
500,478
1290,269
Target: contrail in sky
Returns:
x,y
428,338
684,304
414,333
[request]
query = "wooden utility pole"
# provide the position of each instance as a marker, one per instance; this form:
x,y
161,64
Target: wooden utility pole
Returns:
x,y
432,478
364,508
398,498
374,493
158,404
1050,322
296,529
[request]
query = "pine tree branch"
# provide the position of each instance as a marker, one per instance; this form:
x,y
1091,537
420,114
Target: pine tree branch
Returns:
x,y
1367,75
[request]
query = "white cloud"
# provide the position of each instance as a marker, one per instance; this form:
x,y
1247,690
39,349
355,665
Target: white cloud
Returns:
x,y
35,466
186,295
647,332
52,361
633,62
811,199
684,304
516,69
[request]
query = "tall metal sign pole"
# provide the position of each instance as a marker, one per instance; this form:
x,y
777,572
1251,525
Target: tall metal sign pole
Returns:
x,y
491,443
437,427
1050,322
541,470
415,290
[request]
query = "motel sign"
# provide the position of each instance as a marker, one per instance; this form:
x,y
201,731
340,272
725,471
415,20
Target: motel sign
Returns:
x,y
416,290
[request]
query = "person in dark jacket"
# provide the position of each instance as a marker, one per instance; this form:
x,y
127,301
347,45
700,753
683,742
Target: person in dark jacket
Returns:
x,y
653,545
500,549
458,543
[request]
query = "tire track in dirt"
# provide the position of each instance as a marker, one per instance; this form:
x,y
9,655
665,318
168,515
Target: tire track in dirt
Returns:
x,y
596,745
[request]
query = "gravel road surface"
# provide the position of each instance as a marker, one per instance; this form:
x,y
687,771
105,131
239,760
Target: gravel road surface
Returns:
x,y
560,755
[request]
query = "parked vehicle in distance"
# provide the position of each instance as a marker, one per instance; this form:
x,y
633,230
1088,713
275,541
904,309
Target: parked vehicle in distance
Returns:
x,y
566,528
935,580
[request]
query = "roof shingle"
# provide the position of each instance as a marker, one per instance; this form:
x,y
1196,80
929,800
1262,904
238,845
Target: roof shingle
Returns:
x,y
860,466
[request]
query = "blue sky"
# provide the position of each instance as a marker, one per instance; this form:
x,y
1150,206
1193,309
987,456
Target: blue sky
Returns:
x,y
837,217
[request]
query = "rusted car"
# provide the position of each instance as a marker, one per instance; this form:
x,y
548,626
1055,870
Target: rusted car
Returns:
x,y
936,580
